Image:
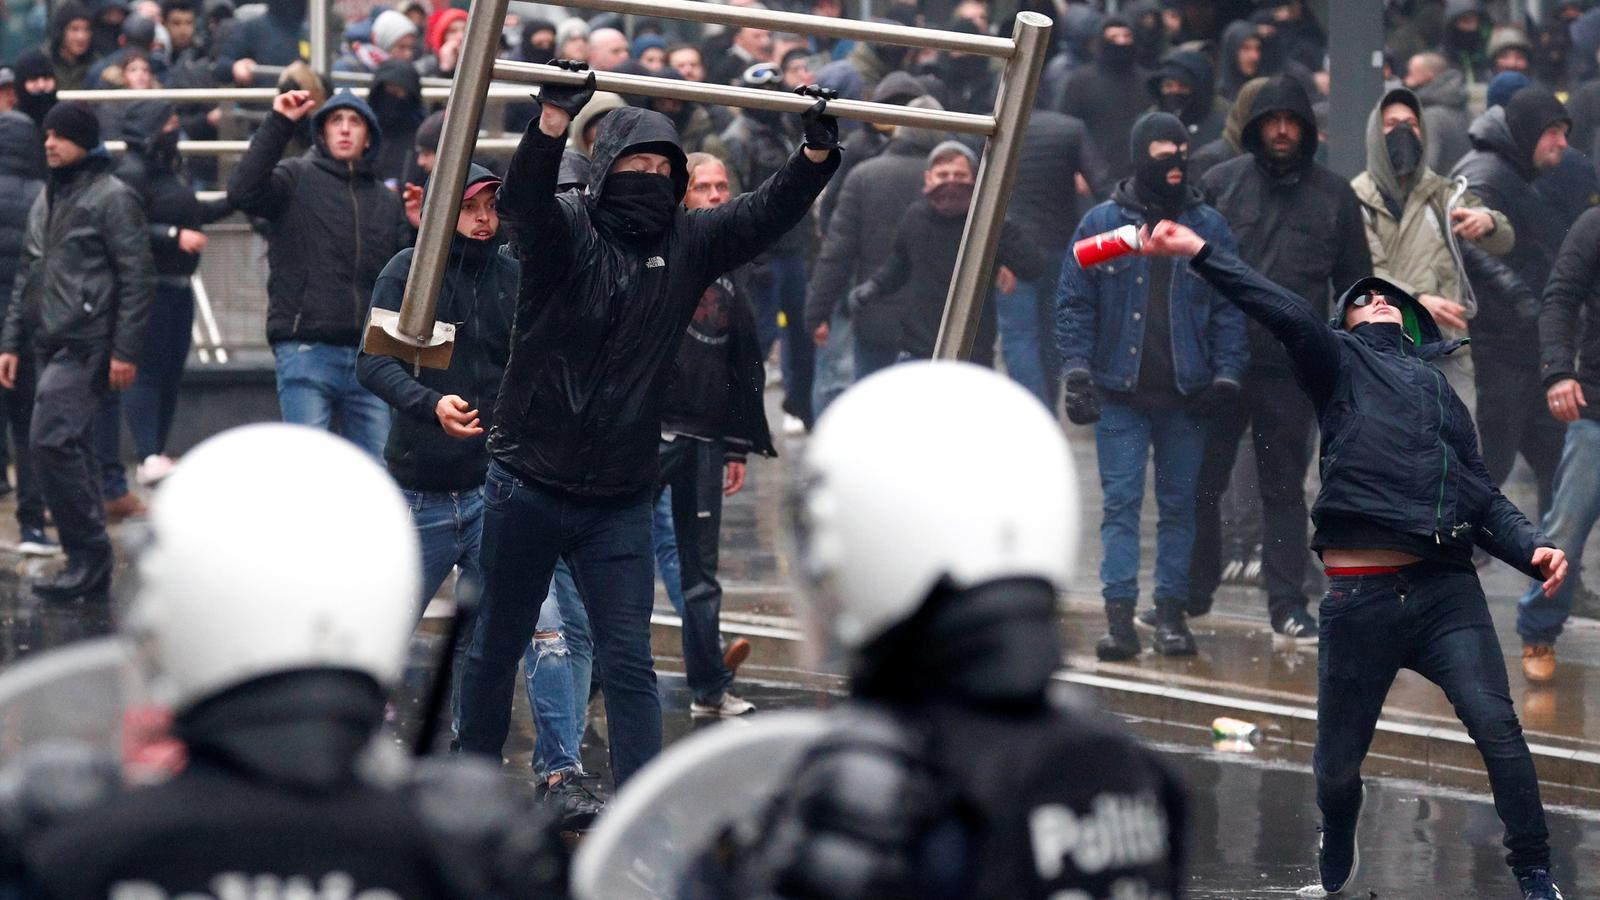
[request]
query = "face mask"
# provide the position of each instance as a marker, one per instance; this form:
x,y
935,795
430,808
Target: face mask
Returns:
x,y
1174,103
164,149
1458,42
1118,57
635,206
952,198
1405,150
34,106
1150,182
540,55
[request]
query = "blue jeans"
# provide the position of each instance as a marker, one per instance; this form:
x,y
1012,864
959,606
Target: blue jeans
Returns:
x,y
317,386
1026,325
666,546
526,529
1574,509
1435,621
558,670
450,528
1124,438
691,471
799,357
836,364
150,404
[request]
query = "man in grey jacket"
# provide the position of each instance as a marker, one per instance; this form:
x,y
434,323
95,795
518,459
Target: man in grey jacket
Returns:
x,y
83,291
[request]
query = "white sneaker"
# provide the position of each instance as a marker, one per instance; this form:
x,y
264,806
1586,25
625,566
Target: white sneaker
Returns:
x,y
725,706
792,426
154,468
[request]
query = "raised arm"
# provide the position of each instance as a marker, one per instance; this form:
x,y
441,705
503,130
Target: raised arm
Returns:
x,y
1313,348
260,186
526,199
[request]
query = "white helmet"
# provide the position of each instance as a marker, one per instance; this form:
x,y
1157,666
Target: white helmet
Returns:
x,y
273,548
929,471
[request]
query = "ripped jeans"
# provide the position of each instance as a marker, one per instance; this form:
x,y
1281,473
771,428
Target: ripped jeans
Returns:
x,y
558,671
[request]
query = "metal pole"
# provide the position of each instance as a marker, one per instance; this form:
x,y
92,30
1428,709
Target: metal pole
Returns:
x,y
750,98
321,58
413,333
1355,69
239,95
974,273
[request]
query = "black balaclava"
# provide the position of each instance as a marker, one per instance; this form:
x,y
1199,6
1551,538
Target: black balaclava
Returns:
x,y
1149,174
1405,151
1119,58
1458,43
635,206
1528,113
529,52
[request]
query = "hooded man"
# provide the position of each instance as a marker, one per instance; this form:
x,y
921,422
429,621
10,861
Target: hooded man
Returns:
x,y
1405,497
1108,96
1158,353
396,101
1511,145
79,307
36,82
1414,225
1185,86
1466,38
333,225
1301,224
71,33
611,279
1240,58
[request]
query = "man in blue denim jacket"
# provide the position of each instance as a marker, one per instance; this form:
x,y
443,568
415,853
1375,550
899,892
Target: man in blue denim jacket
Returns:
x,y
1150,351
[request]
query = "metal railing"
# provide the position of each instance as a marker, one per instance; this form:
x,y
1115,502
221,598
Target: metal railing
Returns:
x,y
414,334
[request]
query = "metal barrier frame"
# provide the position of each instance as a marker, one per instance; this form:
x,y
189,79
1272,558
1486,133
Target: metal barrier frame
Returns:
x,y
414,334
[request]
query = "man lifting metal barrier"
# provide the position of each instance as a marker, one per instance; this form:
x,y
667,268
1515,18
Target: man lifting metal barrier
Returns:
x,y
413,335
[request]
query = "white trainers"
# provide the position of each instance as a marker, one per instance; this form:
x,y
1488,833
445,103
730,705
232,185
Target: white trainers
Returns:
x,y
154,468
792,426
726,705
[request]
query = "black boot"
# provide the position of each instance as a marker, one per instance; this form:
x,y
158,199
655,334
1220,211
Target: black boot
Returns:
x,y
87,575
1172,630
1120,642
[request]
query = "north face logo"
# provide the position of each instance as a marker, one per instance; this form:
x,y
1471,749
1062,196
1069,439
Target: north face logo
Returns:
x,y
655,262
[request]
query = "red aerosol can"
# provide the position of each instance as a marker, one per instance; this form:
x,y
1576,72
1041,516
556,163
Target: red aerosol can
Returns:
x,y
1092,251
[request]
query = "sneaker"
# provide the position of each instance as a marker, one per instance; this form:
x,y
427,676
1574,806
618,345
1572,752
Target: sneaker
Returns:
x,y
1146,619
792,426
724,706
734,655
1339,854
1172,637
154,468
574,804
1539,663
34,542
128,506
1296,628
1120,642
1536,884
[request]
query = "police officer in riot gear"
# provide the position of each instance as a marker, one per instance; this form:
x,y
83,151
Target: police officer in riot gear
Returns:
x,y
955,770
274,610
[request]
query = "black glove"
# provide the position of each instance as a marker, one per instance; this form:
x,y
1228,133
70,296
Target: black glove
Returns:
x,y
565,97
822,130
1083,404
1214,400
860,295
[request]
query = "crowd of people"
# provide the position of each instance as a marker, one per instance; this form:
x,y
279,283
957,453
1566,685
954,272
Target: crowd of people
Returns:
x,y
627,287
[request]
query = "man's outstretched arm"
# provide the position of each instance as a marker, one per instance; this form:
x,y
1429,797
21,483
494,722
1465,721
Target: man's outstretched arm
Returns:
x,y
526,199
1313,349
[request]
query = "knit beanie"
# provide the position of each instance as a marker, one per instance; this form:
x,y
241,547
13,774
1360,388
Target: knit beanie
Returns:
x,y
34,64
1502,86
74,121
947,148
389,27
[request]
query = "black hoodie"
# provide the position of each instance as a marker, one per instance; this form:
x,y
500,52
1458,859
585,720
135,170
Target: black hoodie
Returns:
x,y
1298,223
169,202
1107,100
21,180
1203,112
397,116
598,322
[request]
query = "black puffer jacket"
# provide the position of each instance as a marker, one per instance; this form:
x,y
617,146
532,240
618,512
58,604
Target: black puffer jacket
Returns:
x,y
169,202
1399,451
85,277
1298,223
1569,320
479,297
334,226
598,322
1500,172
21,180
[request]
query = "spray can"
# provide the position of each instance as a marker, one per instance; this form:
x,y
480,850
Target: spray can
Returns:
x,y
1092,251
1235,734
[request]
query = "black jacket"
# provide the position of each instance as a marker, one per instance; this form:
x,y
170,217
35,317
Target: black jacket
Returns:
x,y
915,279
1107,102
1299,224
333,227
598,322
1056,148
85,278
1399,451
169,202
720,376
21,180
1501,175
758,147
1569,320
479,297
397,116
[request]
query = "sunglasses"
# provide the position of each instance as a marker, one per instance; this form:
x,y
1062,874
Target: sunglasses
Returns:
x,y
1361,300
